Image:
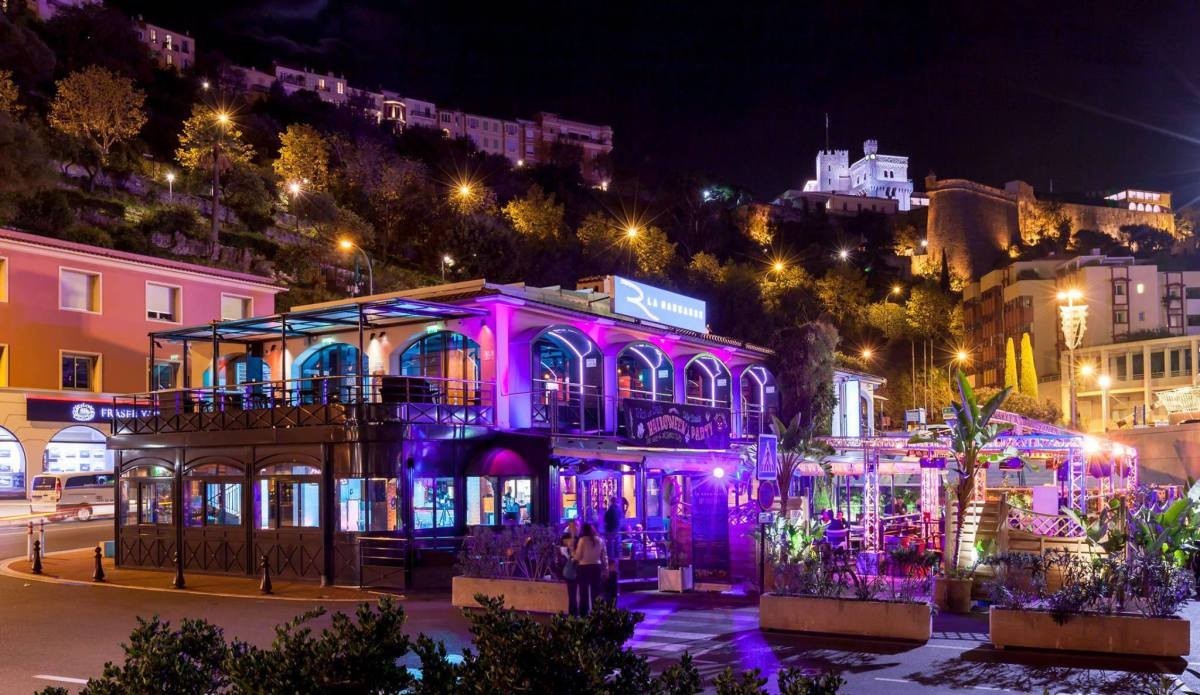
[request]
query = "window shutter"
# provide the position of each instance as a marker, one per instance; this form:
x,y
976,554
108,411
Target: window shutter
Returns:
x,y
75,290
160,301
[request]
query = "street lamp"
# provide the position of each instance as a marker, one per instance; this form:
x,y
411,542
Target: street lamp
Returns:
x,y
866,353
347,245
961,357
843,254
170,187
778,266
1074,323
447,262
1105,382
294,189
222,119
631,232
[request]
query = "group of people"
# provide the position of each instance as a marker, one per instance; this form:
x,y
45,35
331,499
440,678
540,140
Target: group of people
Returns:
x,y
833,523
589,570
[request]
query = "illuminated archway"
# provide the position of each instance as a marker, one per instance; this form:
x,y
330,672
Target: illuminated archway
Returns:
x,y
708,381
759,399
645,372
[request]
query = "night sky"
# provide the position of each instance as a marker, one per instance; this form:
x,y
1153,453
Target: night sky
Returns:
x,y
988,91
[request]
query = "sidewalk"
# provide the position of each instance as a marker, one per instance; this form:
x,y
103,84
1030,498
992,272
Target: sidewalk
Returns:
x,y
76,567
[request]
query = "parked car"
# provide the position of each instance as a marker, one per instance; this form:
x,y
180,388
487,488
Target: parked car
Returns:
x,y
82,495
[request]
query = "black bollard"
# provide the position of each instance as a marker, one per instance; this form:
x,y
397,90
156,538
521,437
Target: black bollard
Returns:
x,y
265,585
98,574
37,557
178,583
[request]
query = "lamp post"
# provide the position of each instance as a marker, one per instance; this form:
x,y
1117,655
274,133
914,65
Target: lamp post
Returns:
x,y
960,358
1105,382
1074,322
294,189
222,119
170,187
346,245
447,262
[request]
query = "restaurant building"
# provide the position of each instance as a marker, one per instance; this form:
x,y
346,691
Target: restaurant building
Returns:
x,y
73,321
397,422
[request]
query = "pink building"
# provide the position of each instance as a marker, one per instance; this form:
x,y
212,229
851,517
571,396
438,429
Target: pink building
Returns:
x,y
74,325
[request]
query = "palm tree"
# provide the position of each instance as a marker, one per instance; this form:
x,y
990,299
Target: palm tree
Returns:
x,y
796,442
972,432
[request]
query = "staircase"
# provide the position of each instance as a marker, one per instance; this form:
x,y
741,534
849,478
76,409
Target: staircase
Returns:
x,y
980,524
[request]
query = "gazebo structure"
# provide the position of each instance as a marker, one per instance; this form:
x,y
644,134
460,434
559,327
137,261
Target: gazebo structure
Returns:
x,y
1076,458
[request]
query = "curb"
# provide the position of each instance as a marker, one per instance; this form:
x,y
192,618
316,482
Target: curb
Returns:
x,y
7,571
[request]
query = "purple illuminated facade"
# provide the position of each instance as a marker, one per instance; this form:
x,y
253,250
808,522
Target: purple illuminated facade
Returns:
x,y
359,440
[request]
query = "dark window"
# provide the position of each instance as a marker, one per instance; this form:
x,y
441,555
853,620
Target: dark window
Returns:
x,y
77,372
1192,292
1139,365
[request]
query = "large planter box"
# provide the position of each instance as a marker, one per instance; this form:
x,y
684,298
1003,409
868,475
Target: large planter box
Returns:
x,y
677,580
880,619
519,594
1107,634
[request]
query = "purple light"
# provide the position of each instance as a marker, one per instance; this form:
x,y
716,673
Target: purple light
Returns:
x,y
718,472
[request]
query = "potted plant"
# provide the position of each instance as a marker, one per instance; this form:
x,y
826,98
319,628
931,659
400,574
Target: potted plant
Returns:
x,y
518,564
972,431
676,576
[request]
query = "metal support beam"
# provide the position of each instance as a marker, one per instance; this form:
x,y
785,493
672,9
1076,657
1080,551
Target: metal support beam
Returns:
x,y
870,500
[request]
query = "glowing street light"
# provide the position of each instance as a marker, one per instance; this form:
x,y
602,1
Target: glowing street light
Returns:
x,y
204,85
347,245
960,358
632,231
1087,369
778,266
1073,317
897,289
447,262
465,190
843,254
170,186
867,353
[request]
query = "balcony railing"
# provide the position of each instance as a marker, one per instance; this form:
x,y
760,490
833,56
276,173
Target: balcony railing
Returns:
x,y
329,400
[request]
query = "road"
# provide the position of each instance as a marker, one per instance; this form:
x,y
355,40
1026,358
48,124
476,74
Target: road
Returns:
x,y
52,634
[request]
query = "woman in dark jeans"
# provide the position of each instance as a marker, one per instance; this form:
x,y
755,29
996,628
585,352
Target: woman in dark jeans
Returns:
x,y
569,538
589,558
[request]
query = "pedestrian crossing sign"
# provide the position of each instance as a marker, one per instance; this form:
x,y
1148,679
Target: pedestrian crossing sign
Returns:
x,y
767,467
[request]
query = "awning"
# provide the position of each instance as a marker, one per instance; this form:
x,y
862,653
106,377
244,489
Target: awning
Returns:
x,y
499,461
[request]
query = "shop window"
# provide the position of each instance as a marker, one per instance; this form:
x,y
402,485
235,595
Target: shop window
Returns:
x,y
367,504
493,500
654,508
78,290
77,449
569,497
213,496
145,496
288,496
433,503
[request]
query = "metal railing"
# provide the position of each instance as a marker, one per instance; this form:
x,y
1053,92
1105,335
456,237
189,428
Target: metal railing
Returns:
x,y
326,400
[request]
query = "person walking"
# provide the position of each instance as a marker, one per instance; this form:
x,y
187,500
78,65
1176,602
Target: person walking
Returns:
x,y
570,571
589,559
612,526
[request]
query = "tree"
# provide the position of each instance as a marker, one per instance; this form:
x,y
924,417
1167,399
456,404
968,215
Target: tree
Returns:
x,y
706,267
247,195
303,157
99,108
1010,365
972,432
653,252
756,224
212,141
23,52
24,161
536,215
888,318
1029,377
8,94
844,294
1145,240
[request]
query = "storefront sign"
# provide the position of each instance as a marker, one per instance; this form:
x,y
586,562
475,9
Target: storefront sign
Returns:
x,y
59,410
652,304
768,458
710,530
674,425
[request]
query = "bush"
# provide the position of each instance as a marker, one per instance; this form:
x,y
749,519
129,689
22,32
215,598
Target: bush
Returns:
x,y
256,242
87,234
171,219
47,212
514,552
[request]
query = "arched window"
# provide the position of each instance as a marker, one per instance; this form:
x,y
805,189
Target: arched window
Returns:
x,y
239,369
287,495
708,382
146,496
12,465
318,368
448,362
212,496
567,369
759,400
645,372
77,448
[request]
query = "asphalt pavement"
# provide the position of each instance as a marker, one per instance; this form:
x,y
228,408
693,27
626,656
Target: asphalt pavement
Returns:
x,y
55,634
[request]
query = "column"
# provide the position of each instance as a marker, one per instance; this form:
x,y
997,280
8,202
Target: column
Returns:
x,y
1147,393
735,399
870,518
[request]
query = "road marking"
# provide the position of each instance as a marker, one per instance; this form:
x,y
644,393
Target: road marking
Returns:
x,y
950,646
657,646
671,634
62,679
892,680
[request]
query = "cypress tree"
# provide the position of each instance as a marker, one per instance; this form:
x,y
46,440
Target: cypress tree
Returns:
x,y
1029,379
1010,365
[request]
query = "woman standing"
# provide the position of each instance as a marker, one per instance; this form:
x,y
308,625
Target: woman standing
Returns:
x,y
570,571
589,559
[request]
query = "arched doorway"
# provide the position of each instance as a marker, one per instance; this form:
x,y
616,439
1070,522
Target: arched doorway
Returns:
x,y
645,372
77,448
239,369
446,364
759,400
708,382
568,371
319,369
12,465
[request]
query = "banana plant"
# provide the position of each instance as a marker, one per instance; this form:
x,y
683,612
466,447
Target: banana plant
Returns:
x,y
972,432
1172,534
1109,531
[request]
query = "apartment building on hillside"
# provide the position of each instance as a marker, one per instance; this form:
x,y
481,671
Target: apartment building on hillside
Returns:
x,y
170,49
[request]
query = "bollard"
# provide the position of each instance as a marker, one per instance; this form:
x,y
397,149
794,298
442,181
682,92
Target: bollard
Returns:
x,y
265,585
178,582
98,574
29,543
37,557
42,536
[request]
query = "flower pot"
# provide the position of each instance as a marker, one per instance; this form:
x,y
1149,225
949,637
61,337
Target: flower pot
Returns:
x,y
952,595
677,580
519,594
1106,634
834,616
